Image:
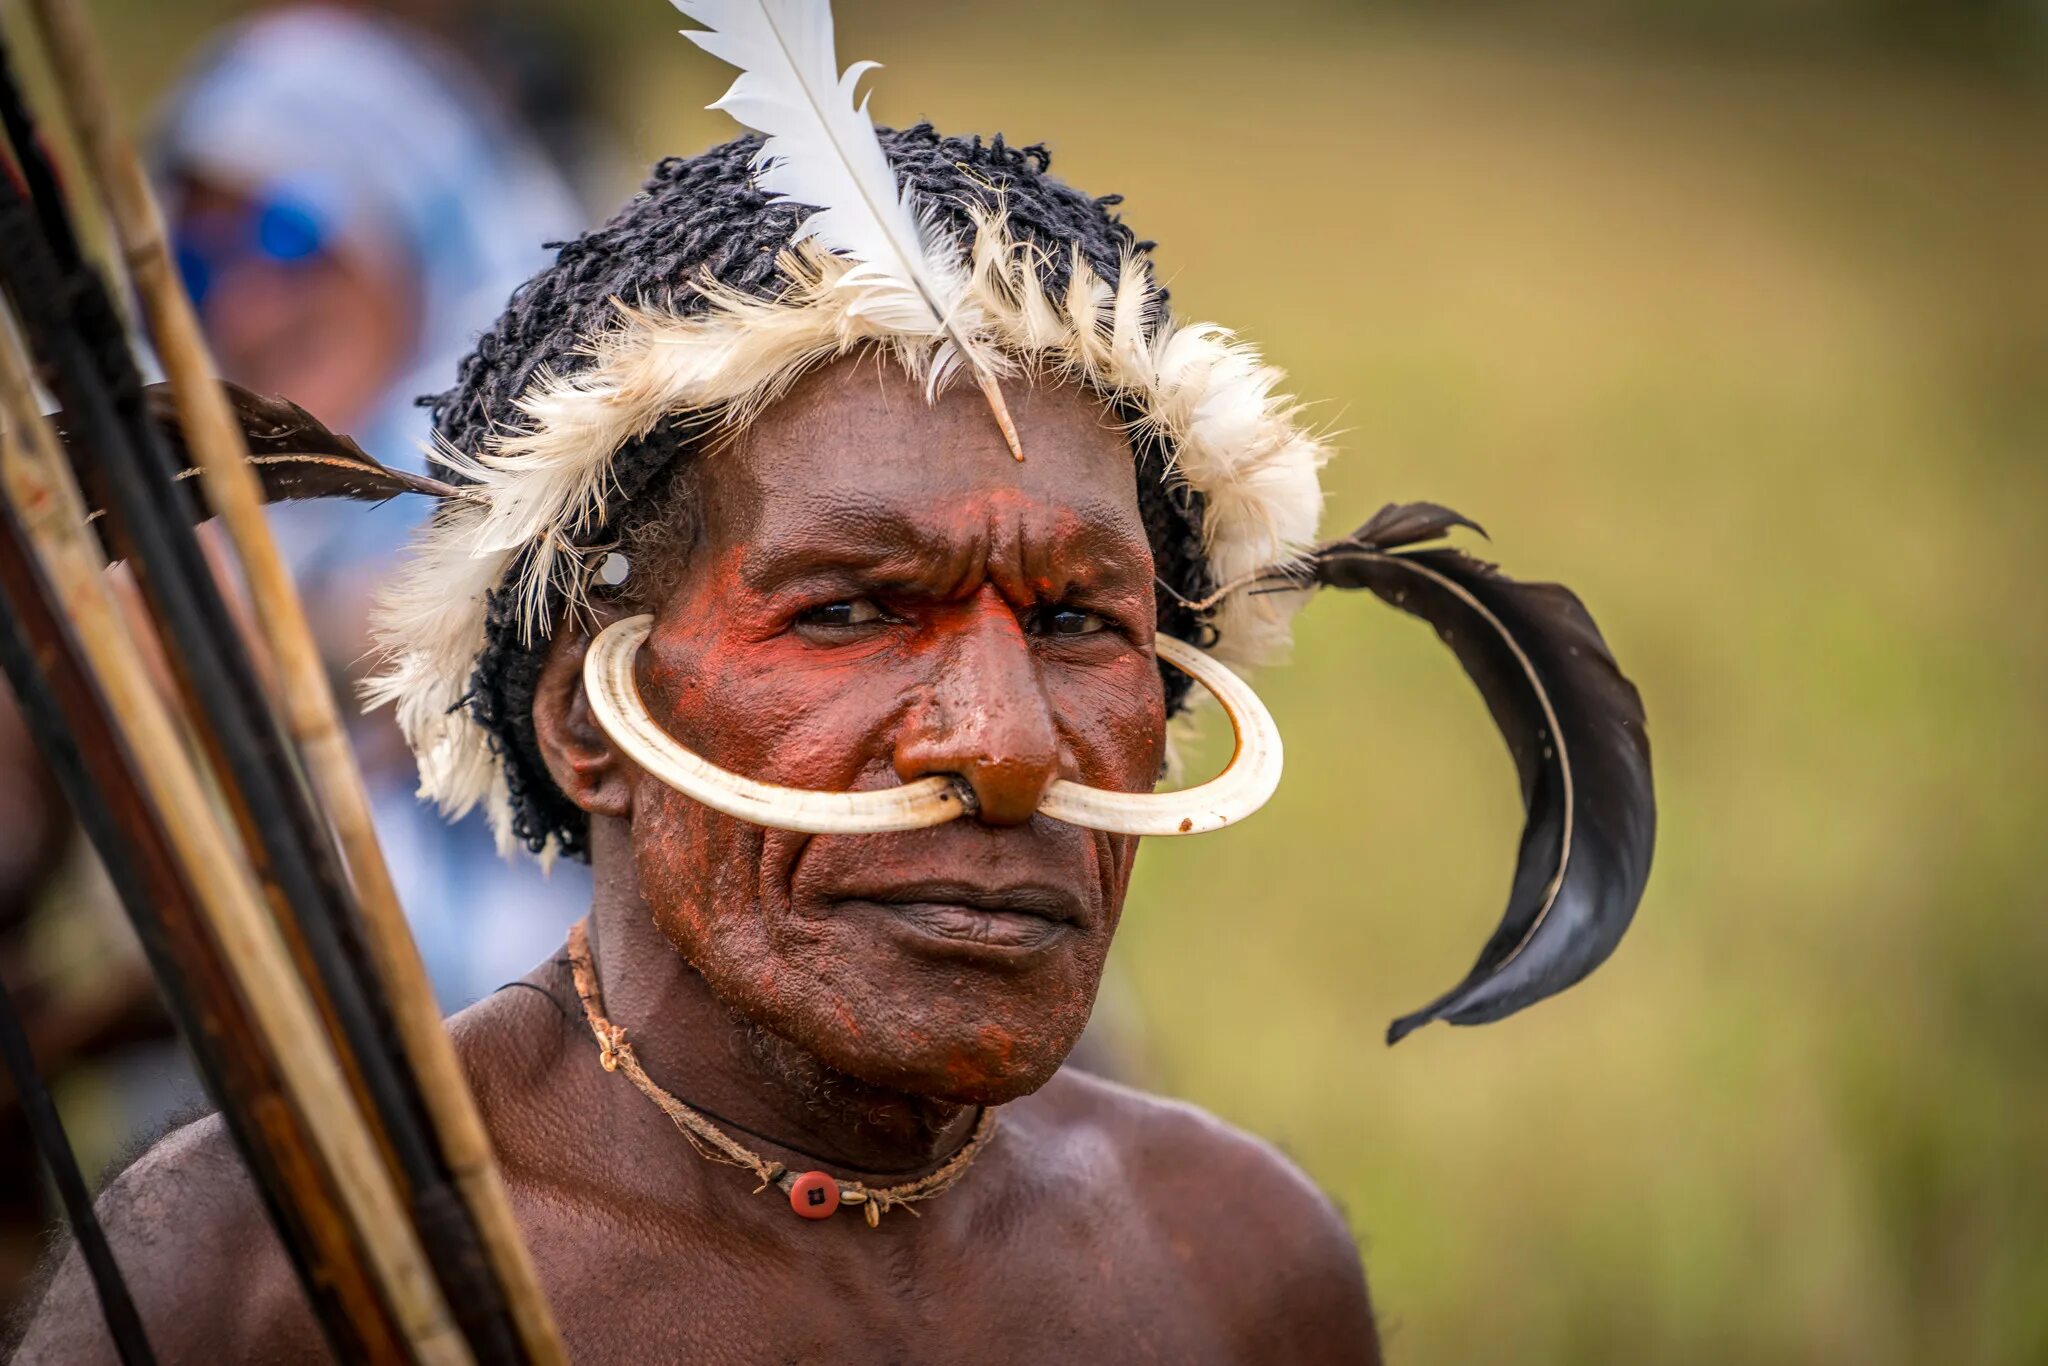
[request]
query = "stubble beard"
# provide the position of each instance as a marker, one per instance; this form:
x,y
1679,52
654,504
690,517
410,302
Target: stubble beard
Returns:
x,y
828,1094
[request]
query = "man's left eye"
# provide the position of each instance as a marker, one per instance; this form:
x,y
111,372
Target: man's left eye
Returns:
x,y
1070,621
852,612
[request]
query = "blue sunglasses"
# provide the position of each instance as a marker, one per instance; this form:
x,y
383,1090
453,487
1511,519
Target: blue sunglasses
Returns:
x,y
281,229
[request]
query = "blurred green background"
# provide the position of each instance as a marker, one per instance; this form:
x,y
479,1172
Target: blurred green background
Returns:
x,y
1734,317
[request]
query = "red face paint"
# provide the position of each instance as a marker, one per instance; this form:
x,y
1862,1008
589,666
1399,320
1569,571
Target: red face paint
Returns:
x,y
882,593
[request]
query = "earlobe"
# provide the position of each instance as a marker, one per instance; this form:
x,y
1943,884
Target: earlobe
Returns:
x,y
580,758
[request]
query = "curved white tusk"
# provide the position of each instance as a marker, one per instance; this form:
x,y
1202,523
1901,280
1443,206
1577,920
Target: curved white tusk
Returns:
x,y
615,701
1242,788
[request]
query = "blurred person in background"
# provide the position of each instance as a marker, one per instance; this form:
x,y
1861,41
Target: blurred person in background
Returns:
x,y
351,205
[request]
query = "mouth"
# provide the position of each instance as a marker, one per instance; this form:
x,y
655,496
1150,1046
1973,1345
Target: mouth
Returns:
x,y
1006,921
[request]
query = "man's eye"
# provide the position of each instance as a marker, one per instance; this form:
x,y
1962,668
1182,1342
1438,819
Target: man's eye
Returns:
x,y
853,612
1070,621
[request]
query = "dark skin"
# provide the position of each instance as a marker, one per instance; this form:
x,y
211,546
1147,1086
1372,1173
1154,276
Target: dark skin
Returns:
x,y
877,592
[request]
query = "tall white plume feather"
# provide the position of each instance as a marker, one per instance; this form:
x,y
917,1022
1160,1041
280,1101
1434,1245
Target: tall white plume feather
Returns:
x,y
908,274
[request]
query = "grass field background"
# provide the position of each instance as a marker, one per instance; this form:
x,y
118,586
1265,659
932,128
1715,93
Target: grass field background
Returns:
x,y
1737,322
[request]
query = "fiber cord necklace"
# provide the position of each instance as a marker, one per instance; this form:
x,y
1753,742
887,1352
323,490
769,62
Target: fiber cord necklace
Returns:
x,y
812,1194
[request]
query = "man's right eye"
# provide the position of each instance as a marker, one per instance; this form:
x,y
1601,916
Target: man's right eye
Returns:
x,y
852,612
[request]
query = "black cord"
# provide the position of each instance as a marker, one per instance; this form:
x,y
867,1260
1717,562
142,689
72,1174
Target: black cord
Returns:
x,y
124,1324
530,986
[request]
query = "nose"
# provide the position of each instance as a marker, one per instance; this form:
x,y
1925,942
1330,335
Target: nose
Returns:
x,y
987,720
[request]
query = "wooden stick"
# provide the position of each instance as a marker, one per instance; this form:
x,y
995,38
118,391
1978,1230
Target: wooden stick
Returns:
x,y
38,483
66,314
75,730
117,1306
308,703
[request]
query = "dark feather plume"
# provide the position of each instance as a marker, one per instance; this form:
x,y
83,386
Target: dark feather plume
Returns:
x,y
294,454
1574,726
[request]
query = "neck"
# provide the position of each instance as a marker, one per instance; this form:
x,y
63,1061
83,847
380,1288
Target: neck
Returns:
x,y
776,1097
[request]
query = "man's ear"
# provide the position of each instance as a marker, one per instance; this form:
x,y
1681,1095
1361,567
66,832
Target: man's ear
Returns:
x,y
579,756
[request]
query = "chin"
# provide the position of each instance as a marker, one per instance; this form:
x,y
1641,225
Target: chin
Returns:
x,y
988,1064
966,1038
954,964
952,1076
965,1028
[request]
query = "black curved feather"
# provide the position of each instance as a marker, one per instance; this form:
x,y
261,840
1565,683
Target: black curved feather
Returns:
x,y
1575,728
294,454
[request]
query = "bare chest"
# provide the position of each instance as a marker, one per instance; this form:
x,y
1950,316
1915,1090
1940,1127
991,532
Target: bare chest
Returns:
x,y
969,1285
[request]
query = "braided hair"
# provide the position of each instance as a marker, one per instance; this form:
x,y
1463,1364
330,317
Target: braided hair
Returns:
x,y
703,215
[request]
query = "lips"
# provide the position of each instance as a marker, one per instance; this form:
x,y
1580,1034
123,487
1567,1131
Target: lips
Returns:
x,y
1020,917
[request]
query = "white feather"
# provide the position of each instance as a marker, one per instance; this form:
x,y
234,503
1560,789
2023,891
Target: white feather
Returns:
x,y
908,274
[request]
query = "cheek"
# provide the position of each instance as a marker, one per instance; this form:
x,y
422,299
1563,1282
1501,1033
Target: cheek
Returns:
x,y
680,856
773,710
701,875
1114,721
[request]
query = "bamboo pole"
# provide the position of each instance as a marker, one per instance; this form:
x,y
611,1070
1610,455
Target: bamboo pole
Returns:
x,y
74,728
38,483
65,312
308,703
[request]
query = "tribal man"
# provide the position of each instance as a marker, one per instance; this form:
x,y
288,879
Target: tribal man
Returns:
x,y
863,804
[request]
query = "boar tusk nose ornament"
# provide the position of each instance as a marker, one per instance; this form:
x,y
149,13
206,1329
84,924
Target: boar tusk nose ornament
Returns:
x,y
1240,789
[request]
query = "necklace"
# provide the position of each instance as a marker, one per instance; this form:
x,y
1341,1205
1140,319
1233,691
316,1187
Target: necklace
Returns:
x,y
812,1194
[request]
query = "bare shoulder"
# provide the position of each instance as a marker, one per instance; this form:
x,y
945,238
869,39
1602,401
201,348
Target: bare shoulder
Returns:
x,y
187,1228
1264,1243
512,1046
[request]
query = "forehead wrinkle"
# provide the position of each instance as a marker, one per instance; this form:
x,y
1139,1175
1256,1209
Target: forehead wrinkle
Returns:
x,y
854,468
1017,541
855,531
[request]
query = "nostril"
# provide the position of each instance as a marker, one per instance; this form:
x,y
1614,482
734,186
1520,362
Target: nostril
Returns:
x,y
970,800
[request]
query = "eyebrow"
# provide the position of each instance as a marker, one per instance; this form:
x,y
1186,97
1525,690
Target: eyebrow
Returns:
x,y
865,538
857,537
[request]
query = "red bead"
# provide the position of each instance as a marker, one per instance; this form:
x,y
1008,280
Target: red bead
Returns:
x,y
814,1195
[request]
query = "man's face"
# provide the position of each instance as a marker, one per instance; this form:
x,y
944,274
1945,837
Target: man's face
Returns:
x,y
880,592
